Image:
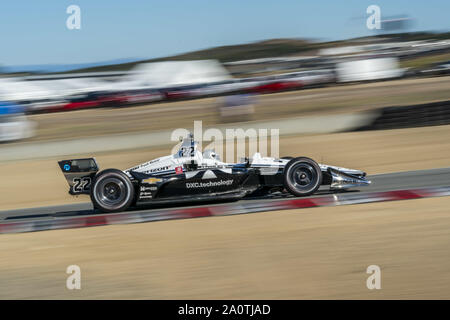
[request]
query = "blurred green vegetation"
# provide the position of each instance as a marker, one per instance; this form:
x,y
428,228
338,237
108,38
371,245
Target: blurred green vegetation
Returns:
x,y
273,48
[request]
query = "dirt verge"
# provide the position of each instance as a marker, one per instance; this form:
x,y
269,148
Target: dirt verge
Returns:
x,y
319,253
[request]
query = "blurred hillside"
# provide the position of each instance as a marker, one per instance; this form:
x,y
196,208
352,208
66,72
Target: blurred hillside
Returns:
x,y
270,48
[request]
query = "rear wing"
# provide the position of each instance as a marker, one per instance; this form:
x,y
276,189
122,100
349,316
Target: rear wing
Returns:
x,y
79,174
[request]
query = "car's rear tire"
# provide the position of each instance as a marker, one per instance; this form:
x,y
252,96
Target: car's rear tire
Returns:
x,y
112,191
302,176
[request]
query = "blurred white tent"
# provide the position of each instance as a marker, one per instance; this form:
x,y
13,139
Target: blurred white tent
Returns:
x,y
16,90
68,87
42,94
177,73
368,69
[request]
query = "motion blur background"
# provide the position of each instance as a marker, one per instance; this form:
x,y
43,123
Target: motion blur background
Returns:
x,y
115,88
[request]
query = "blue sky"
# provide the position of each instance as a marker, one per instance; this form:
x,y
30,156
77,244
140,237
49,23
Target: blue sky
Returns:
x,y
34,32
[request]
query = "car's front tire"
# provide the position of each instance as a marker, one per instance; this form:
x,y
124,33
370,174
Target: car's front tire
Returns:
x,y
302,176
112,191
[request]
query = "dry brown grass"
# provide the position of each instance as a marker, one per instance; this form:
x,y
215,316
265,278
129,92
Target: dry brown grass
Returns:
x,y
296,254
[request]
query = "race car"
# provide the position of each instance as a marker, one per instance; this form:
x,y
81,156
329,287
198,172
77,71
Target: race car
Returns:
x,y
190,175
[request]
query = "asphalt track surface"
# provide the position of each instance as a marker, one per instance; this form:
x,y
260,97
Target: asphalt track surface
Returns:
x,y
382,182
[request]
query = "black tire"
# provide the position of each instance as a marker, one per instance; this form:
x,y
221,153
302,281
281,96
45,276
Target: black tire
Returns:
x,y
287,158
302,176
112,191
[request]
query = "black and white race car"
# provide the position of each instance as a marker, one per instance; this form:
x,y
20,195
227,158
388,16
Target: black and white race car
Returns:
x,y
190,175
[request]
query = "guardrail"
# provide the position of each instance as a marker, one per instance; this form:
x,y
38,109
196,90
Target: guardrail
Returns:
x,y
80,221
428,114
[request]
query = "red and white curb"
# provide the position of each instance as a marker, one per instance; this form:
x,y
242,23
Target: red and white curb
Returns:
x,y
53,223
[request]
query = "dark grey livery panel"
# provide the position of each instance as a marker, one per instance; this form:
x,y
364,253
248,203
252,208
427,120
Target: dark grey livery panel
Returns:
x,y
79,174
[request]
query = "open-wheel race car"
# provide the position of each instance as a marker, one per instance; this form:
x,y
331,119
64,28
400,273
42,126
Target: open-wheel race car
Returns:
x,y
191,175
